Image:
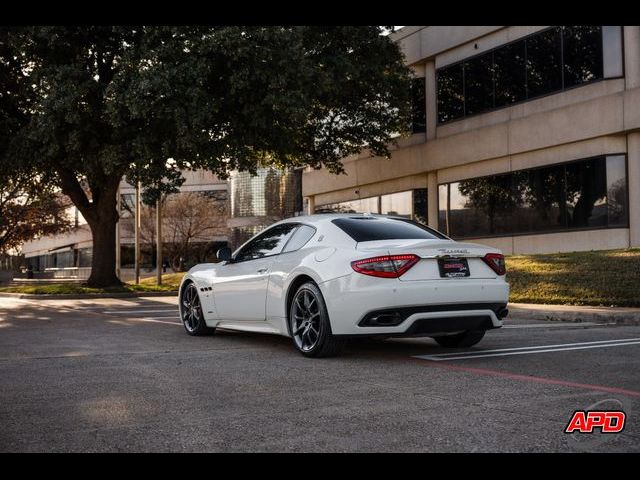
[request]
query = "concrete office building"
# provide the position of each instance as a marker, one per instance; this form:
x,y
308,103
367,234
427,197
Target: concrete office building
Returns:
x,y
69,254
524,137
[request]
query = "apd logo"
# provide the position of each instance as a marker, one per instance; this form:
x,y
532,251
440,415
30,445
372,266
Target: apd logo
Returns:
x,y
608,421
590,429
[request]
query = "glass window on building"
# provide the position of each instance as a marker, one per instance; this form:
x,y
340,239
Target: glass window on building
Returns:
x,y
271,192
64,259
539,196
420,210
84,257
443,208
590,193
510,74
478,90
612,63
617,199
539,64
587,193
411,204
363,205
398,204
582,54
450,93
418,106
544,63
482,205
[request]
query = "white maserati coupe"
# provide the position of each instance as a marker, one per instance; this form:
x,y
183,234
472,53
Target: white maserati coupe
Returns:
x,y
323,278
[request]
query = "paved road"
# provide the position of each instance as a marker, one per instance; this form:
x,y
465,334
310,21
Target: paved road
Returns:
x,y
122,375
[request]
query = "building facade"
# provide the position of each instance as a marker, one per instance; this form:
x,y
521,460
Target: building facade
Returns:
x,y
257,201
199,213
524,138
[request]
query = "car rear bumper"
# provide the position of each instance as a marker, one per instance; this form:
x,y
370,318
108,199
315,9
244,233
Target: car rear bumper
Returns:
x,y
362,305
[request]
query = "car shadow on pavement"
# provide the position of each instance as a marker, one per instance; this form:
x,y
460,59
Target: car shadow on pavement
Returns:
x,y
365,348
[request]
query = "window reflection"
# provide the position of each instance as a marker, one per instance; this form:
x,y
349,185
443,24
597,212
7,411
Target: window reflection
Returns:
x,y
399,204
587,194
617,191
510,74
482,205
450,93
418,106
584,194
443,208
411,204
582,54
541,199
542,63
478,74
420,210
363,205
269,243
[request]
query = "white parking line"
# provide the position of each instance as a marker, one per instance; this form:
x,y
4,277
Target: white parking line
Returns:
x,y
152,320
530,350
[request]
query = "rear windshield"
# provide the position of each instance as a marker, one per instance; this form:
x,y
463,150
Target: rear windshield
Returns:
x,y
366,229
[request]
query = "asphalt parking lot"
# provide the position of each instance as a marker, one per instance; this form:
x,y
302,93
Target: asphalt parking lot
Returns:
x,y
122,375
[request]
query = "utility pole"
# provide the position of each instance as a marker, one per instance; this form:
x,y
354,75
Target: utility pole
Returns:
x,y
137,230
159,240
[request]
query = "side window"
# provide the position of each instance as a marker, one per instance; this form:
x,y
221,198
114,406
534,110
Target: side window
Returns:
x,y
268,243
300,237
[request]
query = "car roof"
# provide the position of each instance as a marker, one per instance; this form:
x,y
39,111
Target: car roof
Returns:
x,y
320,218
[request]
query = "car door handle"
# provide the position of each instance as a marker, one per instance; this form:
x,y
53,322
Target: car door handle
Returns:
x,y
262,270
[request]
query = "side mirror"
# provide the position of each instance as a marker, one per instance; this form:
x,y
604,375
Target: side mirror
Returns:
x,y
224,254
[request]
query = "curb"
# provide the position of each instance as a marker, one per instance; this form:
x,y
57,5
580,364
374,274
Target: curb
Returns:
x,y
575,314
81,296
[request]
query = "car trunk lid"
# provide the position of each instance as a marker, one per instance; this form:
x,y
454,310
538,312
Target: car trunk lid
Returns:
x,y
434,255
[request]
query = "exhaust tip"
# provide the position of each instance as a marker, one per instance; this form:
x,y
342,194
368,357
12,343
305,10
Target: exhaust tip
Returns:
x,y
385,319
502,313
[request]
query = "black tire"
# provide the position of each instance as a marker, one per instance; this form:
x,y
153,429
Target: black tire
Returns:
x,y
464,339
303,315
191,312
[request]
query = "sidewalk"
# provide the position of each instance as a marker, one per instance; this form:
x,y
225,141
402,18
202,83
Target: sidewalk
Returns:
x,y
576,314
81,296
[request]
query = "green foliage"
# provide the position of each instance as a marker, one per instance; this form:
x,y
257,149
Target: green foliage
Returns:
x,y
114,100
90,105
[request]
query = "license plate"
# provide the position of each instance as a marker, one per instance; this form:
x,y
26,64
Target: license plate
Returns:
x,y
453,267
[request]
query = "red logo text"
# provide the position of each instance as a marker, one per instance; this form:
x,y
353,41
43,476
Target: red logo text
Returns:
x,y
611,421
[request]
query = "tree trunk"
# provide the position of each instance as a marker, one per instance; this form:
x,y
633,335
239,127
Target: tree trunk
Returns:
x,y
101,214
103,231
103,262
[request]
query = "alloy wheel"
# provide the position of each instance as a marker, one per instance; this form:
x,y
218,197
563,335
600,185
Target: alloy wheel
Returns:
x,y
306,324
191,309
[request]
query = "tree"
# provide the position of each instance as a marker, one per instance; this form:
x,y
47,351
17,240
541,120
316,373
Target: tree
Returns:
x,y
28,208
102,103
192,217
190,221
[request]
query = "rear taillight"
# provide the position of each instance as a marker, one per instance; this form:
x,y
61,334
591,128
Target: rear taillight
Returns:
x,y
496,262
386,266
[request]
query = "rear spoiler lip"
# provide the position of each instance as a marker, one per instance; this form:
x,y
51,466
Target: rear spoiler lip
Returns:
x,y
469,250
447,255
